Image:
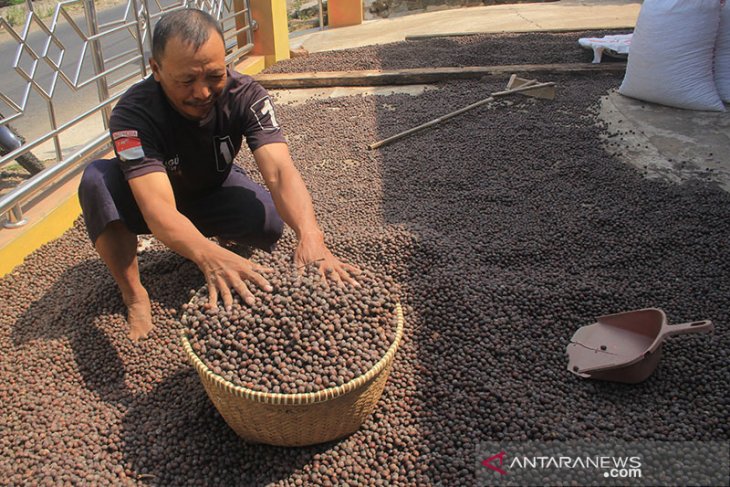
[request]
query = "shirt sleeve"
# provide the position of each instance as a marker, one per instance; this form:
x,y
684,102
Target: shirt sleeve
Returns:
x,y
133,145
260,124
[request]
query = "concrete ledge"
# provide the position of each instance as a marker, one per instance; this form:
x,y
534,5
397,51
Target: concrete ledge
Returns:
x,y
251,65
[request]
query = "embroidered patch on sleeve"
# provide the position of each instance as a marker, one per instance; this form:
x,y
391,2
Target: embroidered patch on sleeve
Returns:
x,y
128,145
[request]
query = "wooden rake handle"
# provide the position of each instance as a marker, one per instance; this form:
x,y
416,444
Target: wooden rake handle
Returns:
x,y
531,85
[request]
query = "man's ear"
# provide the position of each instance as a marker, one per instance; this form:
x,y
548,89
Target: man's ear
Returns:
x,y
155,69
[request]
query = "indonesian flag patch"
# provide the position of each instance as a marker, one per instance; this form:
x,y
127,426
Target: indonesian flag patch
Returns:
x,y
128,145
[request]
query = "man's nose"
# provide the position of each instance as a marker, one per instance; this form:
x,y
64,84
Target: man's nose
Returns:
x,y
201,91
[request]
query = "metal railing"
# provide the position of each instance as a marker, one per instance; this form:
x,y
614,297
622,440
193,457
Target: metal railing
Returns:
x,y
41,60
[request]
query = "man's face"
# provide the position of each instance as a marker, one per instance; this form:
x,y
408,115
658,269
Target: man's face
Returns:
x,y
192,80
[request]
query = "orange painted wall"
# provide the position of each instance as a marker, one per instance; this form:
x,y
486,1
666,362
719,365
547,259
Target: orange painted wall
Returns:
x,y
341,13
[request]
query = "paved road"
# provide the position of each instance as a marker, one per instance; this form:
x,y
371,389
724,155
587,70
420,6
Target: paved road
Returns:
x,y
67,102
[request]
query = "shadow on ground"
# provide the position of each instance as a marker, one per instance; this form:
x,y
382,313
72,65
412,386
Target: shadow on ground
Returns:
x,y
174,434
84,307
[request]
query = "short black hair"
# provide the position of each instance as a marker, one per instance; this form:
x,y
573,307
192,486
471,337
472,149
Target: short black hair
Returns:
x,y
191,25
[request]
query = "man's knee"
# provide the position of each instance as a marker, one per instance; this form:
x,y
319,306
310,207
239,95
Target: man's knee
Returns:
x,y
265,237
91,196
105,197
273,229
92,181
272,226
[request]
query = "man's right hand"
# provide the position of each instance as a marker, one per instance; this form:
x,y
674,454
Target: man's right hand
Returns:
x,y
225,270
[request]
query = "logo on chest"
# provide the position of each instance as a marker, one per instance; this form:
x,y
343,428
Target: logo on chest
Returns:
x,y
173,165
223,151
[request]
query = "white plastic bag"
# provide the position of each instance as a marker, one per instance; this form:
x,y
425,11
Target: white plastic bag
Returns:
x,y
722,54
672,54
616,45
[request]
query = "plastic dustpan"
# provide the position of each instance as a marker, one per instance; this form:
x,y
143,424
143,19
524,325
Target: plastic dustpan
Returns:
x,y
625,347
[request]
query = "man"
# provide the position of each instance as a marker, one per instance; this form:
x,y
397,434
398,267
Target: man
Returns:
x,y
175,136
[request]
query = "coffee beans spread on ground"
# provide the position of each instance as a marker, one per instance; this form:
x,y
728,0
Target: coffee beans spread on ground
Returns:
x,y
304,336
507,229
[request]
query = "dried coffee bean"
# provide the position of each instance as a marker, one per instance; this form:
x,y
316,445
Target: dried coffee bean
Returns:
x,y
361,344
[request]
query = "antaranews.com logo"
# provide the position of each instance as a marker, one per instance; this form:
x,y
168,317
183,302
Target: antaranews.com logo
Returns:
x,y
603,463
606,466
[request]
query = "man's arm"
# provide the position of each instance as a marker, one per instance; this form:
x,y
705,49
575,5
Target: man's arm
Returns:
x,y
294,205
222,268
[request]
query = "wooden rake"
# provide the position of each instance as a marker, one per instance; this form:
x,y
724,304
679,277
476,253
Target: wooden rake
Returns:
x,y
528,87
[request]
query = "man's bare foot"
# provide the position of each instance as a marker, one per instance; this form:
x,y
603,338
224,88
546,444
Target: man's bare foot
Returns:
x,y
139,316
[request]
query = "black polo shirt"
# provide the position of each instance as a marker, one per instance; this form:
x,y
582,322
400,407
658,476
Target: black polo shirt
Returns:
x,y
149,135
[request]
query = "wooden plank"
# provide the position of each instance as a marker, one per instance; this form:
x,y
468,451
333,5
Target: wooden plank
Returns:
x,y
418,37
416,76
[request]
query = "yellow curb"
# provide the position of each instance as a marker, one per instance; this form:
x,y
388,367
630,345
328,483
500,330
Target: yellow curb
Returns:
x,y
252,65
38,232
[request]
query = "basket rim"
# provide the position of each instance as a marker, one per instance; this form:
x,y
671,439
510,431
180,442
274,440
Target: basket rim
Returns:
x,y
297,398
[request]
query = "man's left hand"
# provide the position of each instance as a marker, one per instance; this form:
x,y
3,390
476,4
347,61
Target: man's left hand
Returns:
x,y
312,249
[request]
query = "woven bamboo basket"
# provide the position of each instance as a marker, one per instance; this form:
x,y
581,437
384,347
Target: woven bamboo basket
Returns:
x,y
298,419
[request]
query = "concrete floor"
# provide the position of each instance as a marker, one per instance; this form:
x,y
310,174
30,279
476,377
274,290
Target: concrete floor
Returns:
x,y
565,14
670,143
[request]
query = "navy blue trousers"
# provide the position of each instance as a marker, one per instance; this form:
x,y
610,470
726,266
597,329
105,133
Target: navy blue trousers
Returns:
x,y
238,210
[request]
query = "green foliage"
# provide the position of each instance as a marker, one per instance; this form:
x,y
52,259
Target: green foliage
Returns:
x,y
16,11
15,15
306,18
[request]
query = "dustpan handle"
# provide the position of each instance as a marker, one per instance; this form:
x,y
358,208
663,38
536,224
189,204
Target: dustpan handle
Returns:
x,y
690,327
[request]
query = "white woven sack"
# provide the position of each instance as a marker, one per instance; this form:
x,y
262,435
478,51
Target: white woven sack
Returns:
x,y
722,54
672,54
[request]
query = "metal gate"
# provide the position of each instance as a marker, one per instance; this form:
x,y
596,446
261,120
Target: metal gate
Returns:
x,y
53,64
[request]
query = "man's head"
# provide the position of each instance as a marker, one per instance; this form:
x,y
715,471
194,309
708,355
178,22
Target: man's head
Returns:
x,y
188,60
